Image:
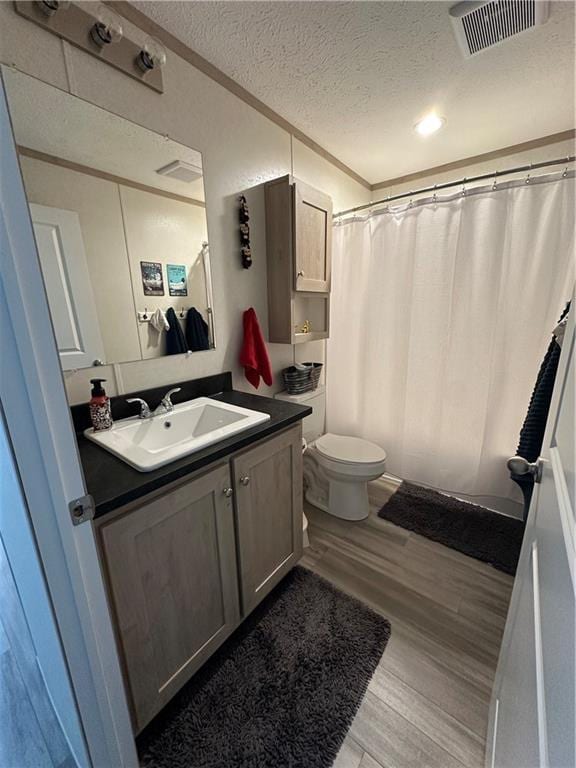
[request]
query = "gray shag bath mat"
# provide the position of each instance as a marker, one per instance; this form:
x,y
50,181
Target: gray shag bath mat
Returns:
x,y
283,689
472,530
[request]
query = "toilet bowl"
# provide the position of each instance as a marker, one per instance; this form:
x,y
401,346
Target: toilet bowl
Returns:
x,y
337,468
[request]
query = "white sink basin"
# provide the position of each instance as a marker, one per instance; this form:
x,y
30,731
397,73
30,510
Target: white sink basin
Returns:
x,y
147,444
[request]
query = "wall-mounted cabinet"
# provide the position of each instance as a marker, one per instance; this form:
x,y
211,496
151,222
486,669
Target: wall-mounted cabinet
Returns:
x,y
299,257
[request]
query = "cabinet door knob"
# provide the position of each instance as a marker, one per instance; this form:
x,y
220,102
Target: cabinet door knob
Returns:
x,y
228,492
300,274
244,480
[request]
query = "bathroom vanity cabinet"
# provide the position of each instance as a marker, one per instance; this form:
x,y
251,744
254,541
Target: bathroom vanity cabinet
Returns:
x,y
299,259
268,491
186,566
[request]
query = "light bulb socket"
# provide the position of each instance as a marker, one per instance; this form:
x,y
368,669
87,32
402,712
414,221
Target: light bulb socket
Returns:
x,y
100,34
48,7
145,62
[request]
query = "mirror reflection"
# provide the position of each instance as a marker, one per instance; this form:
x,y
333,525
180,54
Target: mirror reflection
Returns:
x,y
120,224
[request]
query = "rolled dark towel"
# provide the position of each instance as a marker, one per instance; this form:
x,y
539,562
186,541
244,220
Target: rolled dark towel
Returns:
x,y
175,341
197,334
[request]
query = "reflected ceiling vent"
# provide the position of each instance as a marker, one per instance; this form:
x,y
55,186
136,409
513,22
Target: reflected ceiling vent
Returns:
x,y
481,25
181,171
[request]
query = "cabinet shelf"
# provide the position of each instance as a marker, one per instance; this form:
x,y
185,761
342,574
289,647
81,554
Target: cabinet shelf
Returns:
x,y
300,338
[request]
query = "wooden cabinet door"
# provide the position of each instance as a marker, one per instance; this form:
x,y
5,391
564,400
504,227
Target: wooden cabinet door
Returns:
x,y
268,485
313,239
173,575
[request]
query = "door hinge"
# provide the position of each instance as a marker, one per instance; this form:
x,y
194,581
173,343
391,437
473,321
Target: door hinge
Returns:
x,y
82,509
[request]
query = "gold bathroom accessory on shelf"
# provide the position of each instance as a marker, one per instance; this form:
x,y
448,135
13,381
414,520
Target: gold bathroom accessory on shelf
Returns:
x,y
306,327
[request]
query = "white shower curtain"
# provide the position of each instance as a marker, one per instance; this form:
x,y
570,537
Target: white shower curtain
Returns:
x,y
441,315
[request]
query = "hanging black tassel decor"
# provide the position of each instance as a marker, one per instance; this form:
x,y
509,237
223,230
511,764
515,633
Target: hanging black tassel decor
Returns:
x,y
244,217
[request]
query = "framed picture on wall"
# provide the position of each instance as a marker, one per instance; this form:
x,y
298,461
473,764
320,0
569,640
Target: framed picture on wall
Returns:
x,y
152,280
177,280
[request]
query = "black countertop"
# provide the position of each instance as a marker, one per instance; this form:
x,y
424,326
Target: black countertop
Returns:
x,y
113,483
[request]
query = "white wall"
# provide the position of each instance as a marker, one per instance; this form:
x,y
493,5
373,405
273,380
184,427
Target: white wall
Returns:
x,y
550,152
241,149
167,231
122,226
97,203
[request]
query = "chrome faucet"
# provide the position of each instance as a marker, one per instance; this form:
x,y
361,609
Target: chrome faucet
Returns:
x,y
145,412
166,404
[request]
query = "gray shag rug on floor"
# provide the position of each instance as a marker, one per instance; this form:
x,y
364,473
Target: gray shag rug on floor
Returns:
x,y
283,689
468,528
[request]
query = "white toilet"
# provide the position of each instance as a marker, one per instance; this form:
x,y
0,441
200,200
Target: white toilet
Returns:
x,y
337,468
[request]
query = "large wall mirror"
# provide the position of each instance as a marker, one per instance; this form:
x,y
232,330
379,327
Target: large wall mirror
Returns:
x,y
120,224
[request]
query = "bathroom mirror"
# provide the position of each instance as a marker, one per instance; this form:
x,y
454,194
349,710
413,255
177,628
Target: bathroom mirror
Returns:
x,y
120,223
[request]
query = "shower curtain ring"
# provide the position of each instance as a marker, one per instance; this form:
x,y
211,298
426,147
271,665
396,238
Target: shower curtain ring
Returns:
x,y
463,191
565,172
494,183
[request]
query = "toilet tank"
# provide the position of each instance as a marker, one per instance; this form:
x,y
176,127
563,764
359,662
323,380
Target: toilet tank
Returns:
x,y
313,425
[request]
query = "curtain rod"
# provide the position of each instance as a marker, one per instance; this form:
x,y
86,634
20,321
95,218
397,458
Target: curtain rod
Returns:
x,y
466,180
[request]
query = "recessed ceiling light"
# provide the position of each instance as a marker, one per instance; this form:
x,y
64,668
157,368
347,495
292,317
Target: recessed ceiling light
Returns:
x,y
429,124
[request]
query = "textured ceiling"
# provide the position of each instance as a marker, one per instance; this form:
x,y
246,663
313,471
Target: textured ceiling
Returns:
x,y
355,76
83,133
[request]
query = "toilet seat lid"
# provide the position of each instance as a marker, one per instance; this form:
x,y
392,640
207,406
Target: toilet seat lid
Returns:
x,y
351,450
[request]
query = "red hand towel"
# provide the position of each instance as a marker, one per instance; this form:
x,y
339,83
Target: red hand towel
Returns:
x,y
254,355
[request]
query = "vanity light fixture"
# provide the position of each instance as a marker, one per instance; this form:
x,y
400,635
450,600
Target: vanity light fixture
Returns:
x,y
99,30
429,124
152,55
107,28
50,7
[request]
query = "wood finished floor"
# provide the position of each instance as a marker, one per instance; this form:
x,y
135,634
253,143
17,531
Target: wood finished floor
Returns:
x,y
427,704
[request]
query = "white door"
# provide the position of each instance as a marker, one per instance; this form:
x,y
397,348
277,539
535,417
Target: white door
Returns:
x,y
67,281
37,420
532,720
40,723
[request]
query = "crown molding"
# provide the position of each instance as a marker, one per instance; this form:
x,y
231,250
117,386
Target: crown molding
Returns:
x,y
143,22
526,146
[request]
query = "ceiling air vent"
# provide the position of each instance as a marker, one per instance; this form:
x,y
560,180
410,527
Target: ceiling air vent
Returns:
x,y
181,170
480,25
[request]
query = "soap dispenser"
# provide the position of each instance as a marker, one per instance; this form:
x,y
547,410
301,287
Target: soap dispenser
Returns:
x,y
100,411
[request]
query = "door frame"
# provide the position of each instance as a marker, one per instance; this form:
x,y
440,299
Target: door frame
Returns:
x,y
40,429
